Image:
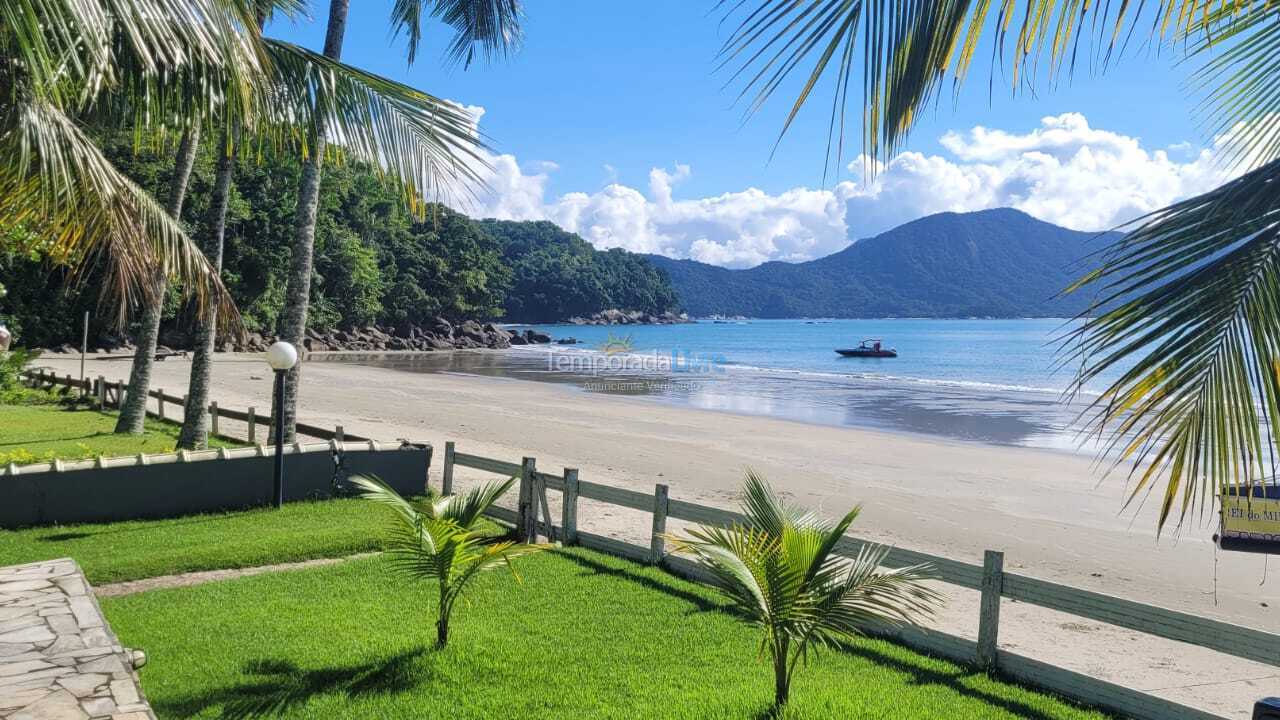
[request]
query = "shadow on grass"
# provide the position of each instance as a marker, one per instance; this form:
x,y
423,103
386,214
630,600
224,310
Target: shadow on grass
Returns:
x,y
107,529
667,584
29,441
920,675
272,686
953,680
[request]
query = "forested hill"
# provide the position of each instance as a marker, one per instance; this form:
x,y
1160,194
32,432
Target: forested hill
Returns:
x,y
991,263
558,275
374,262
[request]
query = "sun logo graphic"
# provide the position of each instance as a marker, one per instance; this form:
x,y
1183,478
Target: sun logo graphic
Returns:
x,y
615,345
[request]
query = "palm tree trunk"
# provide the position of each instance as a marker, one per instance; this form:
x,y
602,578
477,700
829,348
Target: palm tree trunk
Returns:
x,y
781,675
442,617
195,421
134,412
293,322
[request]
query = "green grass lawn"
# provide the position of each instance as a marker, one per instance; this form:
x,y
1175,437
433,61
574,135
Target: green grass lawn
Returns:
x,y
133,549
37,429
586,635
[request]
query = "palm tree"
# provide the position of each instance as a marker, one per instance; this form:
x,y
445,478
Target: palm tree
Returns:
x,y
133,413
437,540
65,64
778,570
1188,299
414,140
493,26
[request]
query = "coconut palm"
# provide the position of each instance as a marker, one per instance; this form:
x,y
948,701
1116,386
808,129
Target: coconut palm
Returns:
x,y
779,570
437,540
1187,300
65,64
414,140
491,26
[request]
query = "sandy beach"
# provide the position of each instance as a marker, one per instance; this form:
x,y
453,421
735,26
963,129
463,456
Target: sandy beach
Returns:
x,y
1051,512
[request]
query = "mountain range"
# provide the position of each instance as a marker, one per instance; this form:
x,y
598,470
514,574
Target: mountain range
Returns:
x,y
989,263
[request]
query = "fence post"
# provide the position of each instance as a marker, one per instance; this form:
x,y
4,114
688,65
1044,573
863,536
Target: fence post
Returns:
x,y
213,418
253,426
160,403
338,434
989,612
527,513
569,507
446,481
120,391
102,392
657,545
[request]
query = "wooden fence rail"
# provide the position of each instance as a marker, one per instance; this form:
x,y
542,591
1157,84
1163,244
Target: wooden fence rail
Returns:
x,y
106,394
989,579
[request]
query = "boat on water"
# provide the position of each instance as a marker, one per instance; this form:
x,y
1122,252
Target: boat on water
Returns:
x,y
871,348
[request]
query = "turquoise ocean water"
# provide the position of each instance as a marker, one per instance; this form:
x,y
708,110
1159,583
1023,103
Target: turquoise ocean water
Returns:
x,y
989,381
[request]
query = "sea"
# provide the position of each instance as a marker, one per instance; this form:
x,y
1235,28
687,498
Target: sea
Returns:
x,y
1005,382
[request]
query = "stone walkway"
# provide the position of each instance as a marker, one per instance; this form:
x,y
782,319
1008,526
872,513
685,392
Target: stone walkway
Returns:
x,y
59,659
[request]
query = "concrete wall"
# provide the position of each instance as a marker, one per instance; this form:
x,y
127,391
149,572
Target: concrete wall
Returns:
x,y
111,489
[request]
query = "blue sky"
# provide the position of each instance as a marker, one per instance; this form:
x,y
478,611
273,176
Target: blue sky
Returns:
x,y
609,91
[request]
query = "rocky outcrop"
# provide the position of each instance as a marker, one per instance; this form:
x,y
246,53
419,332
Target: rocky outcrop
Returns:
x,y
631,317
436,334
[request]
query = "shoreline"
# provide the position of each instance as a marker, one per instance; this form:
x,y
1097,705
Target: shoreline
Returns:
x,y
984,413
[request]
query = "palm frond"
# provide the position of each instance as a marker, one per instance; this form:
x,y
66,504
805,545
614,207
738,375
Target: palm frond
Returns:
x,y
1240,81
1191,318
766,511
429,146
908,49
491,26
59,183
466,509
783,576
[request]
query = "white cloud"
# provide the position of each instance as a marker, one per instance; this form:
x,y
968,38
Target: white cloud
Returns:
x,y
1063,171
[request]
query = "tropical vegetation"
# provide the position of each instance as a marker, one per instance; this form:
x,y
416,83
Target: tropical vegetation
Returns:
x,y
437,540
375,261
1185,303
779,570
585,635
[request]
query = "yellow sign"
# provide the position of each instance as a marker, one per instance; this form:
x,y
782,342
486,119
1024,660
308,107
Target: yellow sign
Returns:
x,y
1251,518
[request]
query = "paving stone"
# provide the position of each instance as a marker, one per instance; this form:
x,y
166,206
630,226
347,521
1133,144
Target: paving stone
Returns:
x,y
59,705
72,585
84,684
86,611
22,668
124,692
25,585
21,698
65,644
36,634
61,624
98,706
106,664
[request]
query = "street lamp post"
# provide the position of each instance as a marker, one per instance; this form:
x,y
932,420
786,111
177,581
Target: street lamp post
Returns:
x,y
281,357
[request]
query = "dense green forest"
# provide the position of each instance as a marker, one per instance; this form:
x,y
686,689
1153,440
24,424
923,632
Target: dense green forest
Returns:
x,y
375,263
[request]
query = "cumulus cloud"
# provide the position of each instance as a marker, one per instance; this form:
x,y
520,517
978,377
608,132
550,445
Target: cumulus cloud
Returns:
x,y
1063,171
